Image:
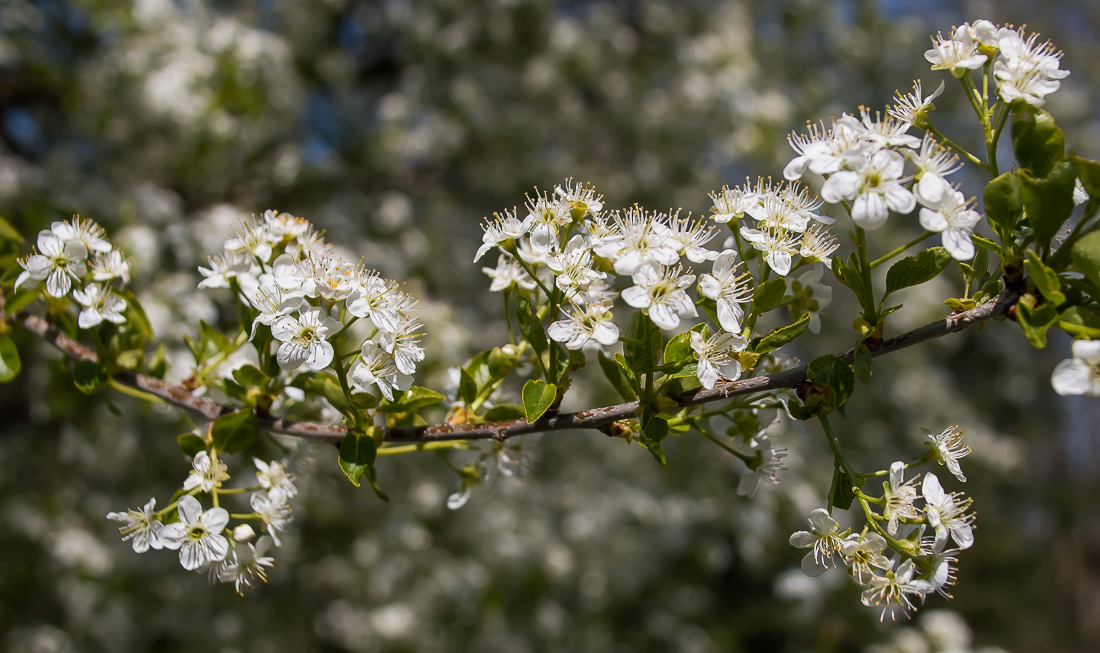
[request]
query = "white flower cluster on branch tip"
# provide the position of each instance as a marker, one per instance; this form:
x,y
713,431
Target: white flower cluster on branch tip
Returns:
x,y
306,294
921,565
204,539
76,256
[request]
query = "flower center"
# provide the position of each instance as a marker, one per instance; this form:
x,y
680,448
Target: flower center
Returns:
x,y
196,532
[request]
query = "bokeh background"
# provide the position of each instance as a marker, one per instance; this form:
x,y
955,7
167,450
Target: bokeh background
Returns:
x,y
396,126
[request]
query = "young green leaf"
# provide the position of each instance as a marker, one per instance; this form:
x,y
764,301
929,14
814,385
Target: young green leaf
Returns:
x,y
538,396
190,444
655,428
1035,322
678,349
410,400
1089,173
617,377
915,270
1039,143
250,375
89,375
863,364
1045,279
467,387
768,295
1086,256
1048,200
9,233
781,336
832,371
233,432
9,360
505,412
20,299
357,453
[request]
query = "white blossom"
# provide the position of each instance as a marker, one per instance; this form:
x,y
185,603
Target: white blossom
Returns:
x,y
248,569
863,555
876,188
197,535
377,367
282,226
374,298
140,527
580,199
206,474
946,512
826,152
958,54
955,220
593,321
544,217
270,304
823,539
643,239
778,247
725,286
934,163
223,267
59,261
501,229
714,354
880,132
404,345
87,232
251,238
273,511
572,267
1079,375
100,303
818,244
912,107
304,339
1026,71
898,496
689,238
948,448
767,470
110,266
273,476
731,203
661,292
893,589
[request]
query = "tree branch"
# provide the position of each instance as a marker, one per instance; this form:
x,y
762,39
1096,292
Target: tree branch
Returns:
x,y
594,418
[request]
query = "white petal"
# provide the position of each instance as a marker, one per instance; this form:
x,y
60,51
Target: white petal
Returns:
x,y
606,333
803,539
291,356
215,519
1071,377
870,211
932,220
1087,350
957,242
636,297
812,567
189,509
320,355
663,316
840,186
931,489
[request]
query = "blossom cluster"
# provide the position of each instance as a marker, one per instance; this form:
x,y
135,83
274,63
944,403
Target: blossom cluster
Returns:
x,y
1025,70
567,244
203,538
75,256
306,294
921,565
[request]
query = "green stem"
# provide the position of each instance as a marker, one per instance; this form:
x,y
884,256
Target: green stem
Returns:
x,y
838,453
422,446
865,270
134,392
244,515
747,459
531,273
508,316
962,151
919,239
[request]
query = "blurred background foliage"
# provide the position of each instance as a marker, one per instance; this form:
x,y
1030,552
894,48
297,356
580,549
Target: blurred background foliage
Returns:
x,y
396,126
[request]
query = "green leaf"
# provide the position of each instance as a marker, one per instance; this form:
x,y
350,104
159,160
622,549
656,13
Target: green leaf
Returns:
x,y
617,377
9,360
768,295
9,233
654,427
863,364
642,349
158,365
531,326
538,396
654,447
849,275
190,444
1048,200
831,370
357,453
1034,323
410,400
1086,256
781,336
915,270
843,494
233,432
136,319
505,412
1038,142
678,349
250,375
577,360
1045,279
467,387
1089,174
20,299
89,375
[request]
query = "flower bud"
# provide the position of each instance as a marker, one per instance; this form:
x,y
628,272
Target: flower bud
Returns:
x,y
243,533
502,360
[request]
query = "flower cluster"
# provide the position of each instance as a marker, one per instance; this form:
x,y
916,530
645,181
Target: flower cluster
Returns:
x,y
204,539
76,256
1025,70
921,565
307,295
566,245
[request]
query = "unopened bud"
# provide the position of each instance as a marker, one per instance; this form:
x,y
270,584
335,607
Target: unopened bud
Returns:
x,y
502,362
243,533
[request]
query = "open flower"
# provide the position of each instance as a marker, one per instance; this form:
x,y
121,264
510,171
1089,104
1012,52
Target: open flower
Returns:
x,y
248,568
197,535
893,589
273,476
715,360
946,512
725,286
592,322
934,163
1026,71
304,339
58,261
661,292
273,511
99,303
863,554
824,540
508,273
140,527
87,232
767,470
223,267
1079,375
955,220
818,244
731,203
572,268
377,367
958,54
898,496
911,108
876,188
501,229
777,244
206,474
948,448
